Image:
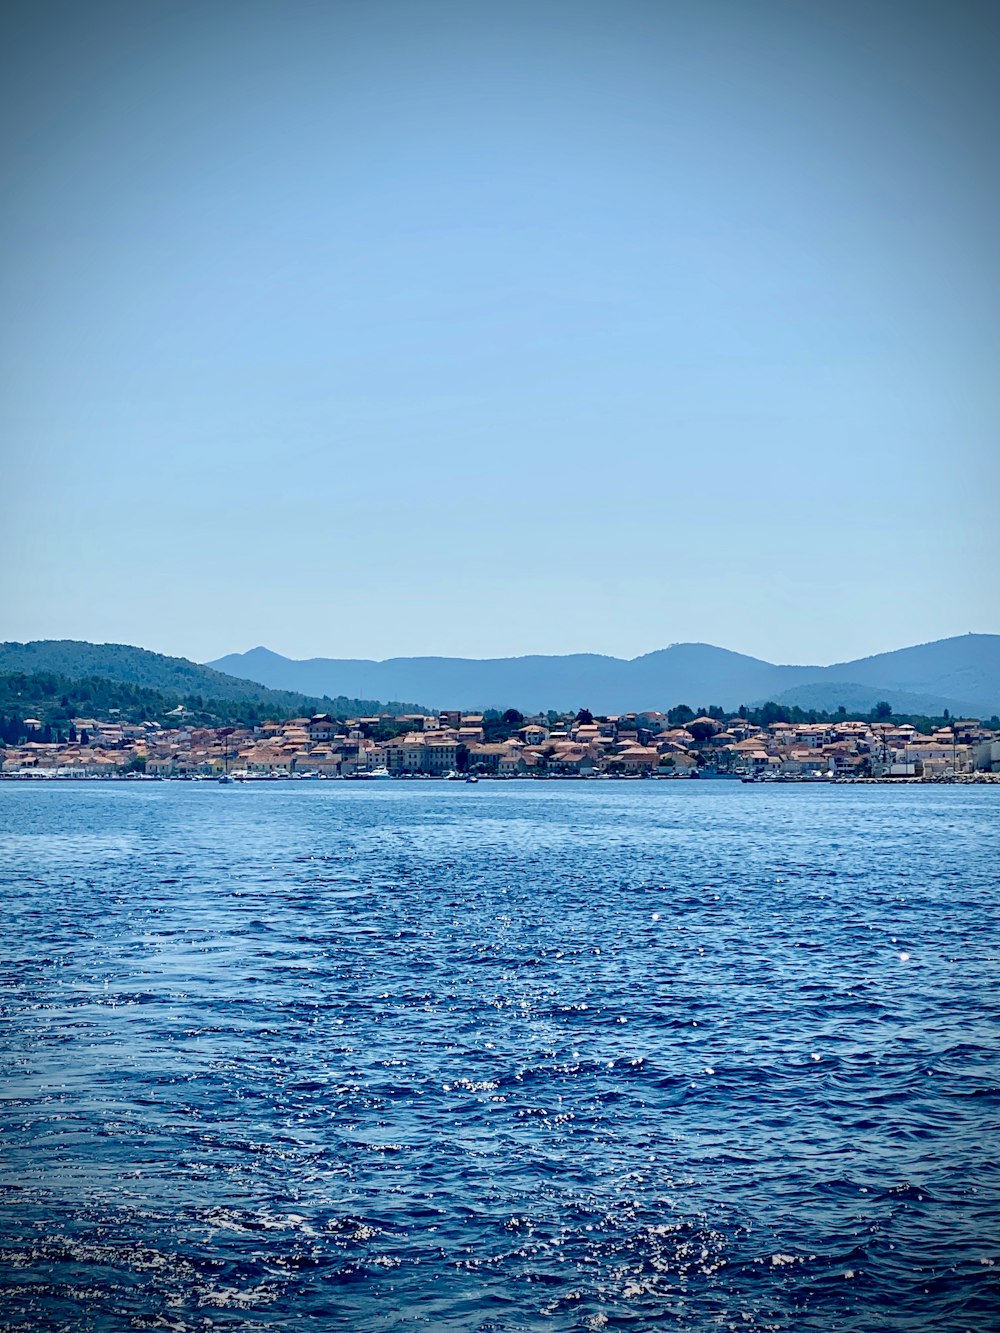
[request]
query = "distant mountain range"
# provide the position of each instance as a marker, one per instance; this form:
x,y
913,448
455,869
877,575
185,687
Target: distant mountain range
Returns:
x,y
961,674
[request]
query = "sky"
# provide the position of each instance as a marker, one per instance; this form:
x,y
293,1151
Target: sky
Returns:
x,y
411,327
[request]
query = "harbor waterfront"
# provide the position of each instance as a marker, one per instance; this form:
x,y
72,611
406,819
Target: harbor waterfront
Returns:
x,y
510,1056
766,743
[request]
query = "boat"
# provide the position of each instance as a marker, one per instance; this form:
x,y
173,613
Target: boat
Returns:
x,y
225,778
472,778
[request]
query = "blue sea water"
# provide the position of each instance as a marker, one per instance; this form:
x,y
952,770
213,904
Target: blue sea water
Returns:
x,y
519,1056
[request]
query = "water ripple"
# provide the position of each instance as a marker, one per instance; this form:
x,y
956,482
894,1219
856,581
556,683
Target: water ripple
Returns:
x,y
514,1057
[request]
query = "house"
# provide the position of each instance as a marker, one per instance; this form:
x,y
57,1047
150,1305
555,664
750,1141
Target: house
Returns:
x,y
940,758
533,733
986,756
680,762
639,759
568,758
750,752
844,762
405,754
322,727
417,721
511,763
802,760
755,761
440,754
533,760
679,735
808,736
585,733
321,759
269,761
486,757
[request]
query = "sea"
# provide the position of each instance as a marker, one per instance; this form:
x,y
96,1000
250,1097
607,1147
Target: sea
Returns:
x,y
525,1056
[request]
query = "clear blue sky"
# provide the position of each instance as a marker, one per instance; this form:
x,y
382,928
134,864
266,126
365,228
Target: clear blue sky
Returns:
x,y
368,329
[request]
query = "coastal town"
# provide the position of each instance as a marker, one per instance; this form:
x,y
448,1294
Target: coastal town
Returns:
x,y
457,745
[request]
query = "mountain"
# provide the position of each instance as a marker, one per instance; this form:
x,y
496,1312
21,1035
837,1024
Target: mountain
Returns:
x,y
961,674
966,667
607,684
176,677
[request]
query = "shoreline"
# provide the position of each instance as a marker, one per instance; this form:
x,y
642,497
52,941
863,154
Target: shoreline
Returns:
x,y
962,779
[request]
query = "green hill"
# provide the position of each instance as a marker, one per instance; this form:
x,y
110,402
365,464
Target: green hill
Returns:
x,y
54,701
175,679
135,666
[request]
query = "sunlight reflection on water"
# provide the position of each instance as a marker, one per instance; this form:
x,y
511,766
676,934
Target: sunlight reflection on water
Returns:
x,y
515,1056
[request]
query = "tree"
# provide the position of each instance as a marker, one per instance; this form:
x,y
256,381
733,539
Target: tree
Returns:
x,y
585,716
702,731
512,718
771,713
882,711
680,716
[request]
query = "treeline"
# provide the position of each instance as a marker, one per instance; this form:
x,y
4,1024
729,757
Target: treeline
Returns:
x,y
54,700
769,713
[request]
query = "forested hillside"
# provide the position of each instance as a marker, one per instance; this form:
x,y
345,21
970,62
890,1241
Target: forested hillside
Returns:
x,y
175,678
